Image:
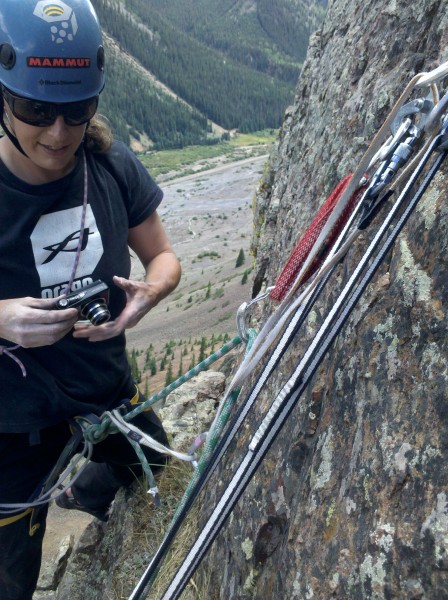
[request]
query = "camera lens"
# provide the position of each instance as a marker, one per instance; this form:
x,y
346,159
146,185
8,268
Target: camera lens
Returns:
x,y
96,311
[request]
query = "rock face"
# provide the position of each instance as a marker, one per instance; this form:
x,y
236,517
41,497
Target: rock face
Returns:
x,y
351,501
190,409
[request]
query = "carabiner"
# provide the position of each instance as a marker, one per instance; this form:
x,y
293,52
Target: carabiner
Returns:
x,y
422,106
242,311
437,112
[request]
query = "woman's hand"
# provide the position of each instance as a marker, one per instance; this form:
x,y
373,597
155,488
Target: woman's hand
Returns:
x,y
140,298
150,243
32,322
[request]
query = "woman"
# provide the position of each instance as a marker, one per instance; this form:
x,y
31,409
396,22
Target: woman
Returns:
x,y
71,202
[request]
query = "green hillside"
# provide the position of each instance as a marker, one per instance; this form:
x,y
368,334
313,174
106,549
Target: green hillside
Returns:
x,y
270,36
217,80
136,107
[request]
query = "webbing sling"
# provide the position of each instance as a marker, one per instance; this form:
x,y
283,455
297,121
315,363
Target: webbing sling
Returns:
x,y
9,520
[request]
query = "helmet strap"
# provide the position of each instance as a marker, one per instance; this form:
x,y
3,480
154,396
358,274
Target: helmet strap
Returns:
x,y
10,135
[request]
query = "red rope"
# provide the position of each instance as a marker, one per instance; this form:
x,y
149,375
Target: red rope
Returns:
x,y
303,248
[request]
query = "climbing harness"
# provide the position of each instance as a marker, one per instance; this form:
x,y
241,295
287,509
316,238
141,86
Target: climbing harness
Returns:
x,y
393,155
95,429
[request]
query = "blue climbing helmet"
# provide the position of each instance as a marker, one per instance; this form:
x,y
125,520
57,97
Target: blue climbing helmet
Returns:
x,y
51,50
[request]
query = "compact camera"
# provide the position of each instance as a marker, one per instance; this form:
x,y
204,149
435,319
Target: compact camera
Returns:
x,y
91,302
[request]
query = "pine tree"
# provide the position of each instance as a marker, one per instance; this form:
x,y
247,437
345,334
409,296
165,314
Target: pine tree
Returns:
x,y
169,374
202,348
135,371
241,259
153,366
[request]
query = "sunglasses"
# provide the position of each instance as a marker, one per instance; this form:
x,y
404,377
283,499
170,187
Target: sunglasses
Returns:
x,y
44,114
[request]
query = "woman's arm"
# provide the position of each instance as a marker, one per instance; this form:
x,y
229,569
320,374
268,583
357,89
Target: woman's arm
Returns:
x,y
150,242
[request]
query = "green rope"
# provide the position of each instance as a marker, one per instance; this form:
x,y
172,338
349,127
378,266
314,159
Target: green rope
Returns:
x,y
95,433
150,480
213,437
210,445
202,366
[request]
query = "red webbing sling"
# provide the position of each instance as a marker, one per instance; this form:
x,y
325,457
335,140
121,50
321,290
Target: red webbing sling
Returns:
x,y
306,243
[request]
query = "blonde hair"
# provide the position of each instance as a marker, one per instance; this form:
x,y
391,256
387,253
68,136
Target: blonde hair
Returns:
x,y
98,136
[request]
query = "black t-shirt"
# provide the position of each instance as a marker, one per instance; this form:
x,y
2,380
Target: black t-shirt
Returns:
x,y
39,233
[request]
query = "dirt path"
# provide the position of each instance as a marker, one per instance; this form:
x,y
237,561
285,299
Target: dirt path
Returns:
x,y
220,167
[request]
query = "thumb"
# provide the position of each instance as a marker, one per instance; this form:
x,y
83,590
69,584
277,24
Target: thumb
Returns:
x,y
46,303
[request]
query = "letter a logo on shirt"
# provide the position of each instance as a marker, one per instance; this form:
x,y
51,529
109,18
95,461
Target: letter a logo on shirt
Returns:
x,y
55,241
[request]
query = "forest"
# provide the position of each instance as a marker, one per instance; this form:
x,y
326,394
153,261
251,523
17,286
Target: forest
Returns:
x,y
231,70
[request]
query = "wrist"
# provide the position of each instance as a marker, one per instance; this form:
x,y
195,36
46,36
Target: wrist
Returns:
x,y
153,291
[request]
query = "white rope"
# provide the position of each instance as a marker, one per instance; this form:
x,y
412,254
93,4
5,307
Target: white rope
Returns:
x,y
145,439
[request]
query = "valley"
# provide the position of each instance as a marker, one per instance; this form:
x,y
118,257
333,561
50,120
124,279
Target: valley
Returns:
x,y
208,217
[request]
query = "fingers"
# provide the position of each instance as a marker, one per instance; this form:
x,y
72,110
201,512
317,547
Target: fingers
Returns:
x,y
97,333
139,300
32,322
120,282
36,335
127,285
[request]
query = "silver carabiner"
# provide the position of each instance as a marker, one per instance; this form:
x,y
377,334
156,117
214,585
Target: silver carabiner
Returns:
x,y
242,312
422,106
437,112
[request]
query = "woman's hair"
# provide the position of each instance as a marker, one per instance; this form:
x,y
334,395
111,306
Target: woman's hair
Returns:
x,y
98,136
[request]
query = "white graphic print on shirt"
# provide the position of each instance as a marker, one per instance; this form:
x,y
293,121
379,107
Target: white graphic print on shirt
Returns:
x,y
55,240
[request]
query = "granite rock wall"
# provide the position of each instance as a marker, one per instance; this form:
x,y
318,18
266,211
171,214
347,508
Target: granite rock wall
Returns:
x,y
351,500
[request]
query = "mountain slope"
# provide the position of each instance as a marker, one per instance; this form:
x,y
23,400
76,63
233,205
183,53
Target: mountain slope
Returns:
x,y
270,36
216,86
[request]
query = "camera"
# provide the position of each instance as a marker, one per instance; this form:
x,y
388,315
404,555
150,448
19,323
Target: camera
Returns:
x,y
91,302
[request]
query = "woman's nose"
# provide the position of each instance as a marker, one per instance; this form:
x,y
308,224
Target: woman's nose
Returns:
x,y
59,126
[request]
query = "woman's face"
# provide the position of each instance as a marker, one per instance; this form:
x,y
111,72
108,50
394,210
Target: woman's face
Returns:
x,y
50,149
